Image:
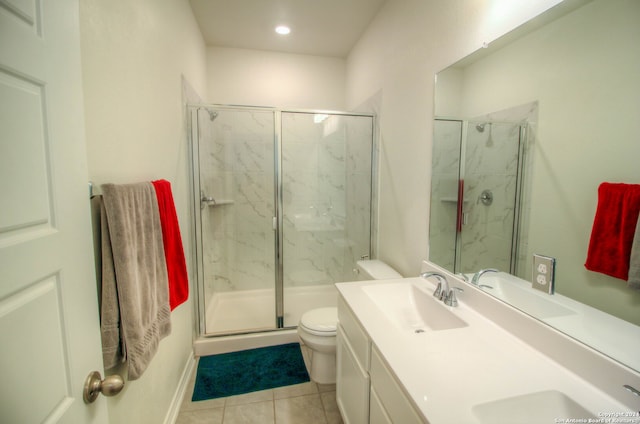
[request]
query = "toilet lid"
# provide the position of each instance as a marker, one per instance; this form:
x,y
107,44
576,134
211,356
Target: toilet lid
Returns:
x,y
321,320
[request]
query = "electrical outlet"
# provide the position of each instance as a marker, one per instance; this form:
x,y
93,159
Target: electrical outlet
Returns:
x,y
544,268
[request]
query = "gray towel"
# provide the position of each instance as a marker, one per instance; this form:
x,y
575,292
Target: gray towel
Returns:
x,y
112,353
634,262
134,277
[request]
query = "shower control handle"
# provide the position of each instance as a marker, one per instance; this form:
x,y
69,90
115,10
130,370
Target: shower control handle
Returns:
x,y
486,197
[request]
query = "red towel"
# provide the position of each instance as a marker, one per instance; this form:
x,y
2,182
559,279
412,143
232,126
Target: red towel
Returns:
x,y
173,251
613,229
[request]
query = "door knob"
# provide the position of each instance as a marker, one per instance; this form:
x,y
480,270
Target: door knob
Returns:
x,y
94,385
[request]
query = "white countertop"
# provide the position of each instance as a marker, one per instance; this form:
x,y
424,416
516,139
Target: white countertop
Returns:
x,y
445,373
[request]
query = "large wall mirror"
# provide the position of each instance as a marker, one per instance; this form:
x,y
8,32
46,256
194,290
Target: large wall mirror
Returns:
x,y
525,131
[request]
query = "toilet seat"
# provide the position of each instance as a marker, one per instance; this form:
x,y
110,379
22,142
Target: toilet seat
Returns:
x,y
320,322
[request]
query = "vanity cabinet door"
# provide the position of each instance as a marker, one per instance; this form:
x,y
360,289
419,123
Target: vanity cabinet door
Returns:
x,y
390,396
352,388
353,331
377,414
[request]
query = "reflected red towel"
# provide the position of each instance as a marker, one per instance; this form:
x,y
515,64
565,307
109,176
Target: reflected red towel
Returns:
x,y
173,250
613,229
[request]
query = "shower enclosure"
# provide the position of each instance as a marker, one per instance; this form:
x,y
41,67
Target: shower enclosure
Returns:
x,y
475,196
283,211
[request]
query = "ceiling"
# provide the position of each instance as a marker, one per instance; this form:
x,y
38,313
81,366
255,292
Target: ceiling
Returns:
x,y
318,27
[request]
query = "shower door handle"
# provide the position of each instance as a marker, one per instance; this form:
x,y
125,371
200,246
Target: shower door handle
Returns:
x,y
206,200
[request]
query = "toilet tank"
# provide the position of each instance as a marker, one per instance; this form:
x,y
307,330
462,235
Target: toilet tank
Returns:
x,y
374,269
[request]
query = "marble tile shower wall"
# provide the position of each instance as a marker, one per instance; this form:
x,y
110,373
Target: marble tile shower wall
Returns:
x,y
326,198
491,164
527,115
326,167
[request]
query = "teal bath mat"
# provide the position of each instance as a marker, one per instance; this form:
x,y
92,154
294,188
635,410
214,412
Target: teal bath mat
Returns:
x,y
235,373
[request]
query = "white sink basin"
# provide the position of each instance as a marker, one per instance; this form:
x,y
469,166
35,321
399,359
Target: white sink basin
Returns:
x,y
538,304
535,408
412,308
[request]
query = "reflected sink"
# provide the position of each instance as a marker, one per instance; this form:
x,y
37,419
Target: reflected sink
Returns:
x,y
534,303
411,308
549,406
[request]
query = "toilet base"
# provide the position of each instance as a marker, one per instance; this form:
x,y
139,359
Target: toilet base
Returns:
x,y
323,367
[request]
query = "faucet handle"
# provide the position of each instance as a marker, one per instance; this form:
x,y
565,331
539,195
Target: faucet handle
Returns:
x,y
451,299
444,294
437,293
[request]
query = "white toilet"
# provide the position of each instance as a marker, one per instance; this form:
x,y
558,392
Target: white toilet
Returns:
x,y
317,327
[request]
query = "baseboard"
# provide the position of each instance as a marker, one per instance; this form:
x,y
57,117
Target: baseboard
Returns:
x,y
183,384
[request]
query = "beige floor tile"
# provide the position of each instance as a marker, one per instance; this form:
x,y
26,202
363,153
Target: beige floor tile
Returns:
x,y
295,390
251,413
261,396
187,405
205,416
301,409
331,407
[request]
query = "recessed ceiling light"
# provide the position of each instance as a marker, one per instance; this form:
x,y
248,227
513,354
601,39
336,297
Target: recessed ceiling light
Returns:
x,y
283,30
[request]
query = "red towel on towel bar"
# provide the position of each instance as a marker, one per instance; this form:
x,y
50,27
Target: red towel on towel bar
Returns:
x,y
613,229
173,250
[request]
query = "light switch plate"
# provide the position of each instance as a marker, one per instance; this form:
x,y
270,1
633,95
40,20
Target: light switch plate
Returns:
x,y
544,270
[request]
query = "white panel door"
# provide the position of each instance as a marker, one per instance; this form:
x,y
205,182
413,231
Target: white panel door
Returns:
x,y
49,327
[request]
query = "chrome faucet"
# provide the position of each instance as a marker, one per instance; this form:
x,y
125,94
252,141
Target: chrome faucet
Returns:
x,y
476,277
442,291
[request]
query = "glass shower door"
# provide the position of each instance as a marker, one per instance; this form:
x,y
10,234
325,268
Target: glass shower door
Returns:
x,y
476,194
235,161
326,177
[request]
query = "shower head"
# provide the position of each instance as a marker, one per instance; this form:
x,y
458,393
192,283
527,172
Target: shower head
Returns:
x,y
212,114
480,127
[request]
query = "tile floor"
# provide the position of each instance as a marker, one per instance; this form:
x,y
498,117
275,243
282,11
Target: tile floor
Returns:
x,y
307,403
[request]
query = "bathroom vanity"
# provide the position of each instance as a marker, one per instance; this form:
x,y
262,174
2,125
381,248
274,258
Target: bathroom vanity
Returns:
x,y
405,357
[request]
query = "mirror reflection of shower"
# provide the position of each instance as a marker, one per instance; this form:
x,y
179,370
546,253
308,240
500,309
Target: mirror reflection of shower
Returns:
x,y
283,204
477,172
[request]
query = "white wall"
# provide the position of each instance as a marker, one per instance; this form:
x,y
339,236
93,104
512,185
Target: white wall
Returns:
x,y
134,54
262,78
406,44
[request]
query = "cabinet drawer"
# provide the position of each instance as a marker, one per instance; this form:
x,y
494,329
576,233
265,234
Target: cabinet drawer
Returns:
x,y
358,339
390,394
352,388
